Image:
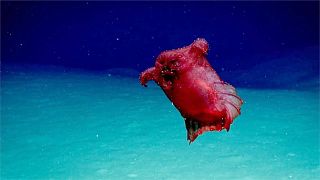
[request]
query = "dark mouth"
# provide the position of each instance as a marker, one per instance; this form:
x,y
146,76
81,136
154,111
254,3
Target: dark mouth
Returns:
x,y
168,74
168,77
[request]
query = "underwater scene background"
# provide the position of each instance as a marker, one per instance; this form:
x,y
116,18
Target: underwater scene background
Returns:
x,y
72,106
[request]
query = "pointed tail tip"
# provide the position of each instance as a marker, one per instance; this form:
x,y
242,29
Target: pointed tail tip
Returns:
x,y
191,138
190,141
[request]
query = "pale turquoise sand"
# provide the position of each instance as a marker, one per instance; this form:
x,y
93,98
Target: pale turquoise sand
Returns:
x,y
82,125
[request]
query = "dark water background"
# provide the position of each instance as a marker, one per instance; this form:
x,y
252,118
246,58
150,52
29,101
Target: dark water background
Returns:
x,y
252,44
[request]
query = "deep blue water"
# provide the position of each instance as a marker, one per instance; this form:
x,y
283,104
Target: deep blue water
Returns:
x,y
72,106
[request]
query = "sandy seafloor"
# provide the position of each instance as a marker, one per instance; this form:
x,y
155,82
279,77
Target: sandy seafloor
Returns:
x,y
73,124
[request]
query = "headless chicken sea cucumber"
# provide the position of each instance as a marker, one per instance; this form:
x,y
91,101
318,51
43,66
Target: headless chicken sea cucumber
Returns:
x,y
205,101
